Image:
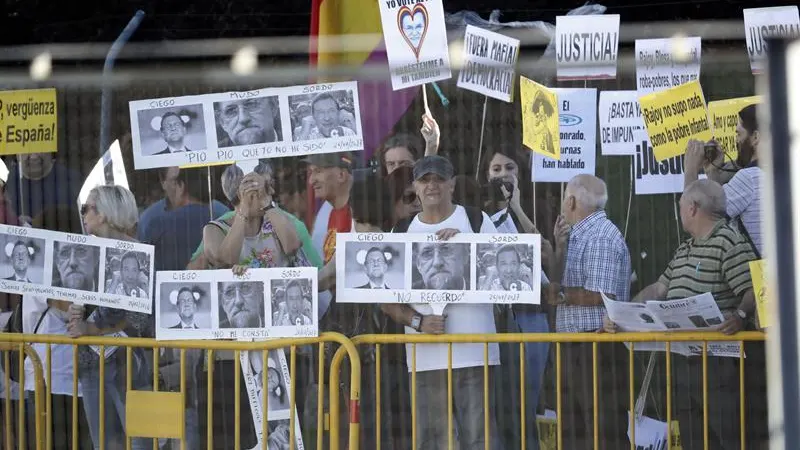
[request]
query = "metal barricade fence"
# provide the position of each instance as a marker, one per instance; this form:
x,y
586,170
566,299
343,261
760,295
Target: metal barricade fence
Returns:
x,y
22,351
160,415
559,339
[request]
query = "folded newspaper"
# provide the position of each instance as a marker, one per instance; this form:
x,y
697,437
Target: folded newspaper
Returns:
x,y
687,314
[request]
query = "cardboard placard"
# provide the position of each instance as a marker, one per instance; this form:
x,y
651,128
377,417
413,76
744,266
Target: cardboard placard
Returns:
x,y
490,60
724,116
28,121
586,47
762,23
652,176
666,63
539,118
620,117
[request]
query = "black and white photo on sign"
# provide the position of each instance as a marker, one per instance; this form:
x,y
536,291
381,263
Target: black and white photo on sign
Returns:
x,y
505,267
185,306
173,129
323,115
127,273
76,266
376,265
440,266
279,434
241,304
277,383
292,303
23,259
247,121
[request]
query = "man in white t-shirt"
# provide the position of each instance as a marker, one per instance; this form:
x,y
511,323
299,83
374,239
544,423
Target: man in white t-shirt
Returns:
x,y
439,269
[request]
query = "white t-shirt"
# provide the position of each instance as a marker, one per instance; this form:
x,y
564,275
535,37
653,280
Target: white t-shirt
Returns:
x,y
461,319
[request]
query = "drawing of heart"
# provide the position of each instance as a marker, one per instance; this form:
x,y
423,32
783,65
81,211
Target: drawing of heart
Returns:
x,y
413,25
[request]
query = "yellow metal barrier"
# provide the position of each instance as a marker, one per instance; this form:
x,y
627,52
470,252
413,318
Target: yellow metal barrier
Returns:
x,y
167,420
558,339
24,350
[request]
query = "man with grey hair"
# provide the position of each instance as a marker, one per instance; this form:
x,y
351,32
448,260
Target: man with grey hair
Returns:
x,y
716,260
591,258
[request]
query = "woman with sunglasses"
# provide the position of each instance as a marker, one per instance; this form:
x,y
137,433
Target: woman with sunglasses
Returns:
x,y
404,200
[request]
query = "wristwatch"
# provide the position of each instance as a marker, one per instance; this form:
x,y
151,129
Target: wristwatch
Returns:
x,y
416,322
742,315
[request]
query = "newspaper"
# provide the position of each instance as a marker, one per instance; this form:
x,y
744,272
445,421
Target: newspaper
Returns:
x,y
687,314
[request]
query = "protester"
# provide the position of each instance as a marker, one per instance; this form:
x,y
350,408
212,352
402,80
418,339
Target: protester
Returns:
x,y
45,183
714,260
109,212
404,149
291,184
434,185
403,198
591,258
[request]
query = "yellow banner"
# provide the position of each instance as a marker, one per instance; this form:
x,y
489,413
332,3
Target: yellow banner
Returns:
x,y
758,275
539,118
724,115
674,116
28,121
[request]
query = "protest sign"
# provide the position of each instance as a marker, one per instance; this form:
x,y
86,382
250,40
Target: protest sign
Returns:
x,y
28,121
763,23
539,118
86,270
666,63
577,118
416,41
217,304
724,116
674,116
620,117
586,47
759,277
202,130
652,434
489,63
400,265
652,176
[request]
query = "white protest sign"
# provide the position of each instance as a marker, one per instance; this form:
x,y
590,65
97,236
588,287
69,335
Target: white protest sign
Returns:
x,y
655,177
586,47
762,23
262,303
489,63
620,116
416,41
577,118
666,63
400,266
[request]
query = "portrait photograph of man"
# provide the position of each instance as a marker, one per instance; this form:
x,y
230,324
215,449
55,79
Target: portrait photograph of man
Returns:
x,y
441,266
277,393
247,121
177,129
323,115
23,259
185,306
374,265
241,304
504,267
76,266
127,273
291,303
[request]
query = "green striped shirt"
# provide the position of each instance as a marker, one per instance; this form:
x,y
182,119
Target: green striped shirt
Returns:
x,y
717,264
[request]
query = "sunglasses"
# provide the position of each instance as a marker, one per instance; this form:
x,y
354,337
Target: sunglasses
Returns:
x,y
409,197
85,209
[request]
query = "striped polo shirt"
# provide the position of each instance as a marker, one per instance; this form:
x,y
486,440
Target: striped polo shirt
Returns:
x,y
717,264
743,194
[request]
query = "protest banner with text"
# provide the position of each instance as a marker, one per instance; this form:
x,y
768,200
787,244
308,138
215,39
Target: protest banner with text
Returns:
x,y
759,277
28,121
652,176
763,23
724,115
489,63
416,41
620,117
586,47
539,118
674,116
666,63
577,117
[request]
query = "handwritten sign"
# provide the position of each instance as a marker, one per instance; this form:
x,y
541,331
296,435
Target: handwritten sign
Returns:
x,y
489,63
652,176
539,118
724,115
763,23
416,41
666,63
674,116
28,121
620,117
586,47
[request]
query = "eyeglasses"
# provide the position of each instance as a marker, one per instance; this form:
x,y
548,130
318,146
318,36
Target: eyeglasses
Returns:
x,y
249,106
245,289
86,207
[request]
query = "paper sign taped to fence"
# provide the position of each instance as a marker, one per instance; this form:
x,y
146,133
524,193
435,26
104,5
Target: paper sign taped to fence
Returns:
x,y
652,434
759,277
490,60
203,130
763,23
666,63
419,268
620,117
577,118
652,176
724,116
216,304
86,270
28,121
539,118
416,41
586,47
674,116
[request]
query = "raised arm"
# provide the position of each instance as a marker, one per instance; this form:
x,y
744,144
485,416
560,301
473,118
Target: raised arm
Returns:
x,y
430,132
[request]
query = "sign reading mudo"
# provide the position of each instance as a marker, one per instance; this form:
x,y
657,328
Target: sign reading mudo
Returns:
x,y
489,63
586,47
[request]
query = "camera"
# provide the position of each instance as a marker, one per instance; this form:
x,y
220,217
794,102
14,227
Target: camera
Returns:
x,y
492,191
711,151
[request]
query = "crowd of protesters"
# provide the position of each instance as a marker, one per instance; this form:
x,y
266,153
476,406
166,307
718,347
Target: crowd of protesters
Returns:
x,y
413,189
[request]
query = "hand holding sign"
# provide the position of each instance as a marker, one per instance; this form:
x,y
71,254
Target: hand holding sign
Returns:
x,y
434,324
